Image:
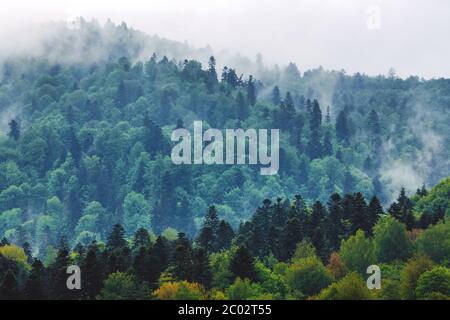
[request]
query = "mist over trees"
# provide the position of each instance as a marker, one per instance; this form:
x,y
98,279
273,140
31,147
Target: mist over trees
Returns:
x,y
86,174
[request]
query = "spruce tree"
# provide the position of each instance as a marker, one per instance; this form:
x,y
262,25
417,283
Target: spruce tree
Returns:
x,y
14,130
374,212
116,239
276,96
92,274
242,264
35,285
327,144
201,272
342,127
251,91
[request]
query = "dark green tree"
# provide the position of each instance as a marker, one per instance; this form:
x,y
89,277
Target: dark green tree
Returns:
x,y
14,130
242,264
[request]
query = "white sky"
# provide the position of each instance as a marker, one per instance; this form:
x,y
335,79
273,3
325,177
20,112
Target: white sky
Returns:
x,y
413,36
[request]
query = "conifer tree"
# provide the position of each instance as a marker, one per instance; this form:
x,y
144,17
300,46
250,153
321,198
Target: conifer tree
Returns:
x,y
243,264
276,96
342,127
251,91
14,130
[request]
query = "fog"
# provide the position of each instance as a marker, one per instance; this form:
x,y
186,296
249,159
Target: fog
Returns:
x,y
356,35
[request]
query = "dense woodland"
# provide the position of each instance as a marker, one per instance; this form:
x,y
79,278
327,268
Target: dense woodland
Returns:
x,y
86,177
287,250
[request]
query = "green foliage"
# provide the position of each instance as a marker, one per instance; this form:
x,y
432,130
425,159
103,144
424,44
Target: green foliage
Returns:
x,y
123,286
136,213
358,252
307,276
182,290
433,283
435,243
410,274
245,290
391,240
351,287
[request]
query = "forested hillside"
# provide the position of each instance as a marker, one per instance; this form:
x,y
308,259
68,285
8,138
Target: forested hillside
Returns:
x,y
288,250
85,149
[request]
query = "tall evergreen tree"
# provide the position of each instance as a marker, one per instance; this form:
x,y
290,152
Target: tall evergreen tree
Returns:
x,y
276,96
182,259
335,227
327,144
92,274
374,123
251,91
242,264
201,272
342,127
35,285
374,212
316,116
242,110
116,239
153,137
211,76
14,130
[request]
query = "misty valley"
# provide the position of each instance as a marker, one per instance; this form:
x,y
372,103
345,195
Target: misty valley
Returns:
x,y
98,127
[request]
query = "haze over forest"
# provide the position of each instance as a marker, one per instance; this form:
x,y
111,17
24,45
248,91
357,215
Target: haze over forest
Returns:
x,y
410,37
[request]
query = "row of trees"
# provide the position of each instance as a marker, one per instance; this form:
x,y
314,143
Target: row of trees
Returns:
x,y
269,257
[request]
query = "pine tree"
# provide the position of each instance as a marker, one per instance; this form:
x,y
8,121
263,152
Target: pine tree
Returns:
x,y
335,228
316,229
328,116
206,238
201,272
116,239
225,235
160,255
58,273
374,212
374,123
92,276
35,285
121,99
251,91
153,137
212,219
360,219
327,144
292,234
342,127
396,211
316,116
242,264
242,110
211,77
288,101
74,146
141,239
14,130
182,259
276,96
315,145
141,265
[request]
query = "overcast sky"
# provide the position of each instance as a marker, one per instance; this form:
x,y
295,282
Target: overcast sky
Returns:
x,y
412,36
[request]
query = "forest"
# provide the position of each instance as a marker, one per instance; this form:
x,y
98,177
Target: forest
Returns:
x,y
86,176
